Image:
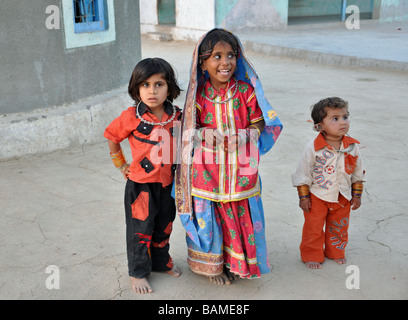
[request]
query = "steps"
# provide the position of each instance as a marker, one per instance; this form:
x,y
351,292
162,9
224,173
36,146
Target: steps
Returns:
x,y
161,33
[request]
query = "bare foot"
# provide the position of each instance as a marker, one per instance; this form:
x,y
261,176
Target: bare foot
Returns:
x,y
341,261
141,286
230,275
175,272
313,265
221,279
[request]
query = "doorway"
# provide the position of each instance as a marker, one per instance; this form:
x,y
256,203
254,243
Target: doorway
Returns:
x,y
166,12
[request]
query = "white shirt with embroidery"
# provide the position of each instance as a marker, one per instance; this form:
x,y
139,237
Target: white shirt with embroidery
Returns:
x,y
327,171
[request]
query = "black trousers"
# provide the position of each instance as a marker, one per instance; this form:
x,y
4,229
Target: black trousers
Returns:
x,y
150,212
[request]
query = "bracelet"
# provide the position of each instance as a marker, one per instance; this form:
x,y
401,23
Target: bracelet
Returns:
x,y
252,135
357,189
200,133
257,129
124,167
303,191
119,160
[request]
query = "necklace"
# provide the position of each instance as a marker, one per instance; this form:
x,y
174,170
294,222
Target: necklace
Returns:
x,y
226,100
156,123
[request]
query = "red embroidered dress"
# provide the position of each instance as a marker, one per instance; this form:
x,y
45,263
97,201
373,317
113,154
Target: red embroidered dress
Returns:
x,y
218,175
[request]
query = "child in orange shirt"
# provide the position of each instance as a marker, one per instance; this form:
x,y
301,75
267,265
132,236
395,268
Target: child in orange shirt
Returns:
x,y
329,178
149,206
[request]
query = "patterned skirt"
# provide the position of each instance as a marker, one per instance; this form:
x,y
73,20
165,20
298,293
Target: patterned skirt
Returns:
x,y
230,234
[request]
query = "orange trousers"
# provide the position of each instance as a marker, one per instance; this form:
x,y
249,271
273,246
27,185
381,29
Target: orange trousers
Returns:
x,y
331,243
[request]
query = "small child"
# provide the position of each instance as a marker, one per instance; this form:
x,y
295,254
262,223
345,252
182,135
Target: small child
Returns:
x,y
329,179
149,206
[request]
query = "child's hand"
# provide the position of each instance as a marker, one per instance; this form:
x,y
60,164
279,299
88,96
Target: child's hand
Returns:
x,y
355,203
232,143
213,137
125,172
305,204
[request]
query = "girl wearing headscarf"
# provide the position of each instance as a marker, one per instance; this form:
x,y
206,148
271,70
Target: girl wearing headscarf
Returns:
x,y
227,123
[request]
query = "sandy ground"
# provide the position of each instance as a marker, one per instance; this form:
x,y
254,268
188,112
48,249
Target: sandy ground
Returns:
x,y
65,208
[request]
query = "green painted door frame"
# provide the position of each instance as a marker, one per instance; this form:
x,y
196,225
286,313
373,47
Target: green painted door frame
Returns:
x,y
166,11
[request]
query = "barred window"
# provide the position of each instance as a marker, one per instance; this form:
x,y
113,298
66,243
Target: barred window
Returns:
x,y
90,15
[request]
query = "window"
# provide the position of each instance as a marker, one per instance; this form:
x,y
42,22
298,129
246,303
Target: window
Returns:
x,y
88,37
90,15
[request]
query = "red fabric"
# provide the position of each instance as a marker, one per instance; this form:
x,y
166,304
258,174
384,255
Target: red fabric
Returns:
x,y
240,174
331,243
238,238
320,142
140,208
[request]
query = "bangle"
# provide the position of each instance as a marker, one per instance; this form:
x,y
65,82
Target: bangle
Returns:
x,y
200,133
257,129
252,135
124,167
303,191
357,189
119,160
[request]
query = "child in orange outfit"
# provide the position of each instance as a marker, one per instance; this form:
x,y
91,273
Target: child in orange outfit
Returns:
x,y
150,210
329,179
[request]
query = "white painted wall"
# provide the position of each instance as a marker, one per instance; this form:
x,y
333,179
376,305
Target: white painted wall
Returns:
x,y
195,14
193,18
148,12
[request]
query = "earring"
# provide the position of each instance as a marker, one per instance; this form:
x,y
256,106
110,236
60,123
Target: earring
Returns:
x,y
317,127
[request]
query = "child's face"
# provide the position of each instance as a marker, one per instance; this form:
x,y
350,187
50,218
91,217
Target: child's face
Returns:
x,y
220,65
336,124
154,91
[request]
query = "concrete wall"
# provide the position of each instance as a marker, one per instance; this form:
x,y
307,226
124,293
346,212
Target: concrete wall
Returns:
x,y
254,14
301,8
195,17
393,10
52,97
148,12
37,71
384,10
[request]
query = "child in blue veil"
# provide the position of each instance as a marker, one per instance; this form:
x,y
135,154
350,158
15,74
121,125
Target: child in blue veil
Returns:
x,y
227,123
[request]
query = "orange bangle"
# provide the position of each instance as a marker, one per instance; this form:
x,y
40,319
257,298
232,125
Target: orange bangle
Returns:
x,y
303,191
119,160
357,189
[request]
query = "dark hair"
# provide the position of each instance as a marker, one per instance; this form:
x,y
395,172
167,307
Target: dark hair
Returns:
x,y
212,38
148,67
319,109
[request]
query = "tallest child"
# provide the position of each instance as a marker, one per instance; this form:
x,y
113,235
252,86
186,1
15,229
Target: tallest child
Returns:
x,y
227,122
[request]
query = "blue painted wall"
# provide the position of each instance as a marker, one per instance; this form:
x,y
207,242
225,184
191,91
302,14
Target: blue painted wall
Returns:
x,y
307,8
393,10
238,14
